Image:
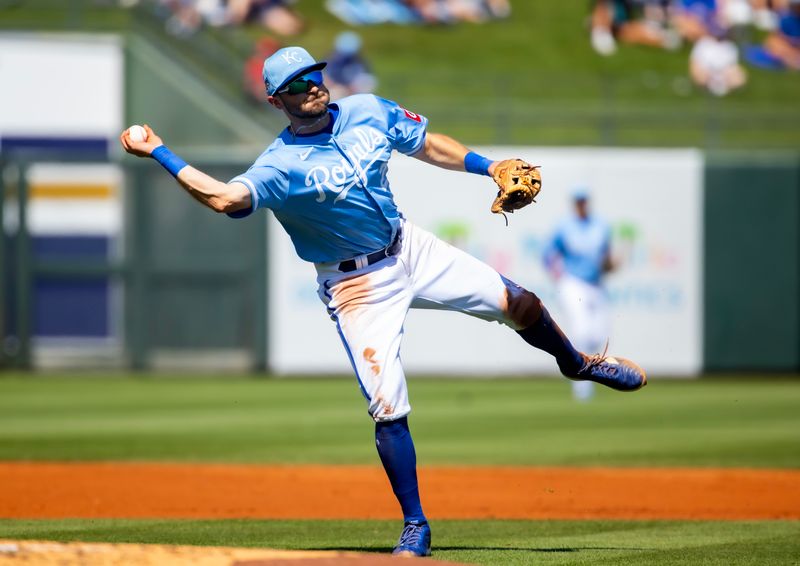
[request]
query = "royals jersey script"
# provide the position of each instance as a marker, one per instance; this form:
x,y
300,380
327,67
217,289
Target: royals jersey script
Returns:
x,y
329,189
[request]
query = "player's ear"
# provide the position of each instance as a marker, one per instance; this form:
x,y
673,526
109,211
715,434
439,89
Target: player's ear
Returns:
x,y
275,101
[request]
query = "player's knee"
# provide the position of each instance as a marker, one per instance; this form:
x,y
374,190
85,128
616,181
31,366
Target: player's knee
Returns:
x,y
524,307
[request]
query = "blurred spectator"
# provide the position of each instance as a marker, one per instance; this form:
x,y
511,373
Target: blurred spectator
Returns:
x,y
348,71
369,12
275,15
628,21
781,49
784,43
737,18
765,12
736,13
714,65
182,17
185,17
449,11
253,79
694,19
498,8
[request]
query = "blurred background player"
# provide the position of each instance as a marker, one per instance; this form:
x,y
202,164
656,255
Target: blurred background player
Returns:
x,y
578,255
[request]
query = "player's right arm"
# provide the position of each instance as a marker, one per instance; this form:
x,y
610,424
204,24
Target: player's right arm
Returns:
x,y
216,195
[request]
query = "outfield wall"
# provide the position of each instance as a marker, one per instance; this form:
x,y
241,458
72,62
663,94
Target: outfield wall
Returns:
x,y
752,243
86,285
709,280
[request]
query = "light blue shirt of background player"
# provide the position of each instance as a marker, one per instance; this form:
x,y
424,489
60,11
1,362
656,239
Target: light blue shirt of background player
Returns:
x,y
330,189
581,243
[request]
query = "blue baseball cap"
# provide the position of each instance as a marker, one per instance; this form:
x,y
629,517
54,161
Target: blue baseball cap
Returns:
x,y
286,64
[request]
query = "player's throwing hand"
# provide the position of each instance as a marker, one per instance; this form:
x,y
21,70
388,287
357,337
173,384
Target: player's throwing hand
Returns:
x,y
140,148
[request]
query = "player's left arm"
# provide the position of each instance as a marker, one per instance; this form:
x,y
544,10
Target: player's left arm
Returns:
x,y
443,151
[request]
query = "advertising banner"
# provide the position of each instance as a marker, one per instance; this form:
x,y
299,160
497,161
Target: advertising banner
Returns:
x,y
60,86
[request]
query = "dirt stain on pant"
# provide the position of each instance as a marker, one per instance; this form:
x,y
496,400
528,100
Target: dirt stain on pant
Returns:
x,y
349,294
385,409
369,356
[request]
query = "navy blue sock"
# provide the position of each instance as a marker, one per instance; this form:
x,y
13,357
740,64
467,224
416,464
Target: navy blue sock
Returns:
x,y
396,449
546,335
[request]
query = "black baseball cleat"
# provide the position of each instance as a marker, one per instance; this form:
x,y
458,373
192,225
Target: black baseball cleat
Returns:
x,y
414,541
617,373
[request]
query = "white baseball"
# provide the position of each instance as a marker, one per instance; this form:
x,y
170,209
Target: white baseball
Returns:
x,y
137,133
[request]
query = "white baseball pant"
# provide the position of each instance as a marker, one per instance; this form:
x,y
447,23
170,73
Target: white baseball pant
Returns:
x,y
369,306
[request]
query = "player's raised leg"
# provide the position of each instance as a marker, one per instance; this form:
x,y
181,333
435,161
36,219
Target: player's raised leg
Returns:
x,y
535,325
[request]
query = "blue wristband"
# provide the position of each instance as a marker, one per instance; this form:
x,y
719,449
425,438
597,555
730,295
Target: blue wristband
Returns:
x,y
477,164
168,160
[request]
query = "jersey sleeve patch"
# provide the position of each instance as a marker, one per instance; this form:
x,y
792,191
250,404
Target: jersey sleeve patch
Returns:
x,y
411,115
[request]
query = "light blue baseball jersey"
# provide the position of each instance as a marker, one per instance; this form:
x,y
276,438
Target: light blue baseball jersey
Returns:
x,y
329,190
582,245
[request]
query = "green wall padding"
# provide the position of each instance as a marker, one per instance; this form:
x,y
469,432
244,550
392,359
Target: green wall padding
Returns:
x,y
199,276
752,263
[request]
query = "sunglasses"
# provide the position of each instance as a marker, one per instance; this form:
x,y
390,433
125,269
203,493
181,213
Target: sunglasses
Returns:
x,y
303,83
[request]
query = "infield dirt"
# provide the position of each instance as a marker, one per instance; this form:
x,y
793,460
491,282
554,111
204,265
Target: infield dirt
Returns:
x,y
139,490
46,553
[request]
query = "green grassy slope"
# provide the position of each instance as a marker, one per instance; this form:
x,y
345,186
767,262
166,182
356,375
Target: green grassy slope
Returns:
x,y
709,422
532,79
476,542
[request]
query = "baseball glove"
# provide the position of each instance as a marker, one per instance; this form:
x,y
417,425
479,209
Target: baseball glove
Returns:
x,y
519,183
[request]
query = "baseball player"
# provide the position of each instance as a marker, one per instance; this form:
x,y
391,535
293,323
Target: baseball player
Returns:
x,y
325,179
578,256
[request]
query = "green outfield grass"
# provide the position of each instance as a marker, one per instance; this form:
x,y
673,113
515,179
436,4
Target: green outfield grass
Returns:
x,y
712,422
750,422
666,543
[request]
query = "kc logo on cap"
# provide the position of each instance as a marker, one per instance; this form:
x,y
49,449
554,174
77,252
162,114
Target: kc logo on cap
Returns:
x,y
285,64
292,56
